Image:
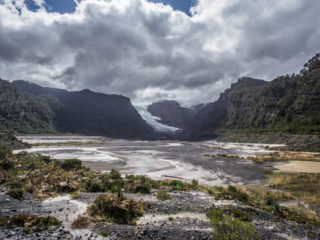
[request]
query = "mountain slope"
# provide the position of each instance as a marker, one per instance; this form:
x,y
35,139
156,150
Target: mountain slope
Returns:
x,y
172,114
23,113
90,113
286,104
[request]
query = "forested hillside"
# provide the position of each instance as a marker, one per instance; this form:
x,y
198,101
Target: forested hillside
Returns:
x,y
23,113
288,104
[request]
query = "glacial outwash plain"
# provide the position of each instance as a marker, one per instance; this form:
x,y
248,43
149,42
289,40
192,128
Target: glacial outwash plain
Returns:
x,y
159,120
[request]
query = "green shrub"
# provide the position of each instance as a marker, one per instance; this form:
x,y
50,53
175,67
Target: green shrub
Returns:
x,y
116,209
16,193
71,164
231,193
5,151
270,201
162,195
93,186
30,223
114,174
45,159
229,228
6,164
194,184
176,184
241,215
144,188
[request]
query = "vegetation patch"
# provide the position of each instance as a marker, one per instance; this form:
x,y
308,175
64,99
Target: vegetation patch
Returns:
x,y
16,193
267,201
80,223
30,223
303,186
285,156
231,228
162,195
71,164
115,209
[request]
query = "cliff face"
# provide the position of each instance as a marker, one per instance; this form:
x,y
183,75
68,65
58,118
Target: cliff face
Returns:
x,y
90,113
172,114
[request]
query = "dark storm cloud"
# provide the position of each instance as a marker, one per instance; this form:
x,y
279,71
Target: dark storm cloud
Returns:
x,y
149,52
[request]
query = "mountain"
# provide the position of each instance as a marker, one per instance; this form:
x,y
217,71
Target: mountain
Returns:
x,y
90,113
286,104
172,114
23,113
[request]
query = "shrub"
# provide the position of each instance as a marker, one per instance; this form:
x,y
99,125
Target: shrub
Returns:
x,y
176,184
144,188
16,193
229,228
5,151
30,223
116,209
6,164
114,174
270,201
241,215
194,184
45,159
162,195
80,223
71,164
231,193
93,186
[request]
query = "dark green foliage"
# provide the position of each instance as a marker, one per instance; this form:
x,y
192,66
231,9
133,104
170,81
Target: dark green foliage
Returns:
x,y
228,228
241,215
270,201
23,113
116,209
93,186
71,164
114,174
45,159
5,151
6,164
30,223
16,193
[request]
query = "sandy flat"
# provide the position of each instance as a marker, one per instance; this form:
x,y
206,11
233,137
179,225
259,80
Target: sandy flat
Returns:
x,y
300,166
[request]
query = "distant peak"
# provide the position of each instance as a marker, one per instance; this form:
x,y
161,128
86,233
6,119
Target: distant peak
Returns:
x,y
86,90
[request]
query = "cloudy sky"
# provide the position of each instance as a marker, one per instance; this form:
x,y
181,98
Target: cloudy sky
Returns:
x,y
188,50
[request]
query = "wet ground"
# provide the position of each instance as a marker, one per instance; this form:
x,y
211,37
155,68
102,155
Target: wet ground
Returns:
x,y
159,159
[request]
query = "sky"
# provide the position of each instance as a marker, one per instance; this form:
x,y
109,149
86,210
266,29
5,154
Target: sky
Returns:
x,y
186,50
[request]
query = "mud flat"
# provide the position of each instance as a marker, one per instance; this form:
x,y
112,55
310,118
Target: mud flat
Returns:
x,y
299,166
160,159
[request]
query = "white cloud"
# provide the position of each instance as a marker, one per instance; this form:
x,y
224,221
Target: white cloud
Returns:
x,y
148,51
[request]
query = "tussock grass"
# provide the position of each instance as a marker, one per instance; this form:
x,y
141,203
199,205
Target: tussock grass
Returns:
x,y
285,156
